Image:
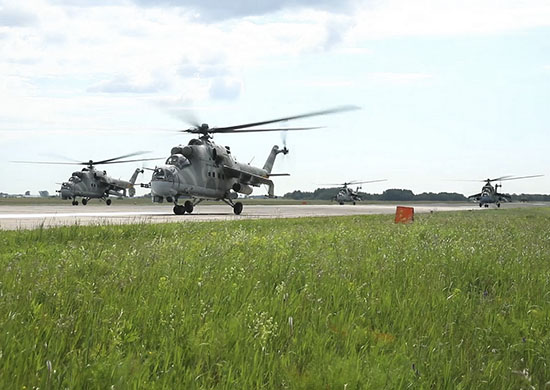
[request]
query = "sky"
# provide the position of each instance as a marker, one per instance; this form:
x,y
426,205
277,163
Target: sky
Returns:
x,y
449,90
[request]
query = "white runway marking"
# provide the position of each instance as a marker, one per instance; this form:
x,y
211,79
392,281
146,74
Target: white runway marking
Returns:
x,y
63,215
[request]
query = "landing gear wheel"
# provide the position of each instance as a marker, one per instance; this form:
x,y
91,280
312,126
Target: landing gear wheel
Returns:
x,y
188,206
354,203
238,208
341,203
108,201
486,206
480,205
75,202
179,210
498,204
84,202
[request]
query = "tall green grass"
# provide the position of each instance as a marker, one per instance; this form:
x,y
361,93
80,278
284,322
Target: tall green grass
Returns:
x,y
455,300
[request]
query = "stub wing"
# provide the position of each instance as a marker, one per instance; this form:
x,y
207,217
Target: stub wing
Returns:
x,y
246,177
475,196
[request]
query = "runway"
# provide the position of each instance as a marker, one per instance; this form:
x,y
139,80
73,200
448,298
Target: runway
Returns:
x,y
13,217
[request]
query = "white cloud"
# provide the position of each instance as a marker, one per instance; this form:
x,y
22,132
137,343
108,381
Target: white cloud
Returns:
x,y
225,88
209,11
122,84
451,17
398,78
16,16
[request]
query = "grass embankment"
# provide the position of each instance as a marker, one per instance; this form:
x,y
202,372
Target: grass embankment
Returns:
x,y
457,300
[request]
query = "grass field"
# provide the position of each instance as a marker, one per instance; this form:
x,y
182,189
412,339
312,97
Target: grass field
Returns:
x,y
454,301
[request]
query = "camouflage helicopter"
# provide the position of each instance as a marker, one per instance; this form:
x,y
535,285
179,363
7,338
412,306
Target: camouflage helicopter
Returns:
x,y
204,170
90,183
346,194
490,194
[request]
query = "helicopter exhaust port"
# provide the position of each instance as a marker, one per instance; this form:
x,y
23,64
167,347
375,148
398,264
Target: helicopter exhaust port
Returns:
x,y
242,188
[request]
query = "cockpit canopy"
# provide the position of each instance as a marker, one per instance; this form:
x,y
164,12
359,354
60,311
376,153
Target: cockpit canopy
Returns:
x,y
195,141
163,174
178,161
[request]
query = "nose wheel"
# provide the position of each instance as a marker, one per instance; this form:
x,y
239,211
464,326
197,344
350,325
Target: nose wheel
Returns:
x,y
188,206
179,210
238,208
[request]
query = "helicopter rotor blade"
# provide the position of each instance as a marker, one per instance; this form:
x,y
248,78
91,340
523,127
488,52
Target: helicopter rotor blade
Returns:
x,y
215,130
519,177
110,160
91,162
498,178
126,161
368,181
45,162
353,182
307,115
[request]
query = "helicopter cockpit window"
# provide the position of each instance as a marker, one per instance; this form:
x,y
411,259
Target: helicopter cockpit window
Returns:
x,y
178,161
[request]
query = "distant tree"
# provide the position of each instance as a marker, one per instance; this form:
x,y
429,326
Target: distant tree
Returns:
x,y
442,196
397,194
298,195
402,195
530,198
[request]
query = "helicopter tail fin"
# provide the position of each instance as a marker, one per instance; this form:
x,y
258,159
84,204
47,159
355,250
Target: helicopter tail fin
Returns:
x,y
268,166
132,190
135,175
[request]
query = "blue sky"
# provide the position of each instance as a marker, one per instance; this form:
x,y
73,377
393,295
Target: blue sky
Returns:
x,y
448,89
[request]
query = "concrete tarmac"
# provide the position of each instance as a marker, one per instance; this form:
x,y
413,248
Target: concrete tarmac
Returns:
x,y
13,217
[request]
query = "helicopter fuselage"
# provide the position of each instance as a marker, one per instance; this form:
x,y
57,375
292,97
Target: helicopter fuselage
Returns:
x,y
90,183
204,170
489,195
347,195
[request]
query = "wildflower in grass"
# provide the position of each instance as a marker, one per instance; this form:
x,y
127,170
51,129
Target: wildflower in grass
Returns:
x,y
264,328
291,324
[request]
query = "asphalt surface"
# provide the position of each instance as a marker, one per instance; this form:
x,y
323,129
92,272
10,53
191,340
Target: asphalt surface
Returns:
x,y
13,217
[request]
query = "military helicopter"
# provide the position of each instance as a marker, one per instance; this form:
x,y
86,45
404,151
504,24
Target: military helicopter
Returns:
x,y
490,194
346,194
90,183
204,170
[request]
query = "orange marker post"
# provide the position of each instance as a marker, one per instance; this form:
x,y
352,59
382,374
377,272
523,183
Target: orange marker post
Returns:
x,y
404,214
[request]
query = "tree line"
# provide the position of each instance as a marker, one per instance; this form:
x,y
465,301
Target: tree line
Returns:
x,y
403,195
